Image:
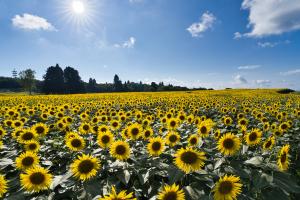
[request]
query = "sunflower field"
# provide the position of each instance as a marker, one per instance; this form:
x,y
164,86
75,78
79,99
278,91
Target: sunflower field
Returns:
x,y
221,145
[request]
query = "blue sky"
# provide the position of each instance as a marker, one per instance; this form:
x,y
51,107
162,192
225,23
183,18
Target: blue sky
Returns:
x,y
209,43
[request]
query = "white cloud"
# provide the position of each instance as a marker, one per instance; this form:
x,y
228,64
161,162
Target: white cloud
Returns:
x,y
135,1
263,83
272,17
32,22
291,72
206,22
239,79
248,67
237,35
267,44
127,44
272,44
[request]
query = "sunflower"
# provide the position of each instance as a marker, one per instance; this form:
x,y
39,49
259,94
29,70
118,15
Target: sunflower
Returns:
x,y
283,158
156,146
85,128
118,196
3,186
193,140
120,150
2,132
27,160
171,192
243,122
32,146
40,129
269,143
102,129
227,188
266,126
277,132
76,143
26,136
172,123
205,127
227,121
284,126
254,137
147,133
85,167
105,139
172,138
1,144
36,179
115,124
229,144
217,134
125,134
134,131
16,133
189,160
17,124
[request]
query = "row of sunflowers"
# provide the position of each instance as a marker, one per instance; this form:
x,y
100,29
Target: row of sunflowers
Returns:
x,y
222,145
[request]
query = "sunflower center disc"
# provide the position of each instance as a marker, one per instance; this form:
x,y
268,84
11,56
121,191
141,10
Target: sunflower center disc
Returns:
x,y
173,123
228,143
32,146
27,161
225,187
252,136
39,129
283,158
193,141
120,149
189,157
27,136
135,131
85,166
86,127
173,138
203,129
147,133
76,143
268,144
105,139
170,196
37,178
156,146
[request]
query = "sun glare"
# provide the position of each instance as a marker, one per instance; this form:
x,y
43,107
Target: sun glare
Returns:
x,y
78,7
80,14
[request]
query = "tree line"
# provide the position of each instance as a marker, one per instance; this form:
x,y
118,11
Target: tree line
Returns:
x,y
68,81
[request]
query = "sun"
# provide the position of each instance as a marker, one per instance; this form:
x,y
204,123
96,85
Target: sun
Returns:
x,y
80,14
78,7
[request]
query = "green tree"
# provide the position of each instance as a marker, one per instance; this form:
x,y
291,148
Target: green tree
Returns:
x,y
91,86
27,79
73,82
118,87
54,80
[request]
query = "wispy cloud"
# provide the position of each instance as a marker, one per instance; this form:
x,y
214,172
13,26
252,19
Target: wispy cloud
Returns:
x,y
263,83
272,44
127,44
136,1
272,17
206,22
32,22
239,79
249,67
237,35
291,72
